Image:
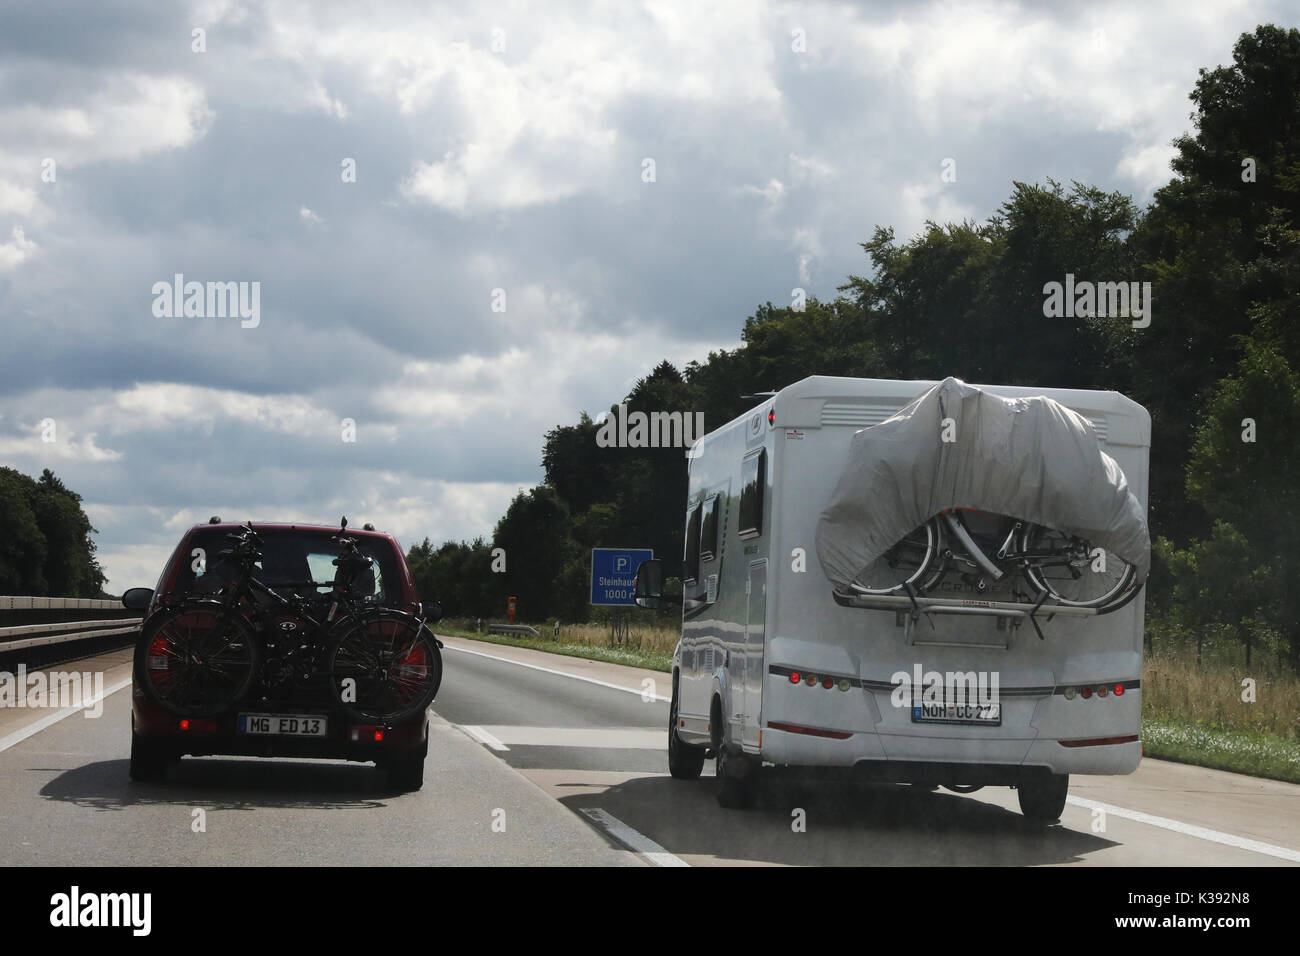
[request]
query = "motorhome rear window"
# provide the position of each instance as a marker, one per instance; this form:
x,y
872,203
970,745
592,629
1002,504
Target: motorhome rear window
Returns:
x,y
709,530
753,475
691,560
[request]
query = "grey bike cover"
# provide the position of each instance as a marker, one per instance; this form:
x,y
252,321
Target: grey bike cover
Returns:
x,y
1031,458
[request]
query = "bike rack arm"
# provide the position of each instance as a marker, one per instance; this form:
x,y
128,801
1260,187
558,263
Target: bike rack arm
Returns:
x,y
934,605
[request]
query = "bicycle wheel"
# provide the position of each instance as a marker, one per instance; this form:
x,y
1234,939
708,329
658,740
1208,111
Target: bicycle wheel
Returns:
x,y
196,659
384,666
914,561
1070,573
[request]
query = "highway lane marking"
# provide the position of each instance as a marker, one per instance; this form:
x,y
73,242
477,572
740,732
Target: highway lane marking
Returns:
x,y
1188,829
483,737
18,736
548,670
632,839
608,738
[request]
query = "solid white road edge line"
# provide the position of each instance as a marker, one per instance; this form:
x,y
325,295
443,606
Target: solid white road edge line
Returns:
x,y
548,670
483,737
1188,829
18,736
632,839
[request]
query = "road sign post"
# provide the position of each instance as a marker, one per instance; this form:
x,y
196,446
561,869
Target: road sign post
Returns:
x,y
613,575
613,571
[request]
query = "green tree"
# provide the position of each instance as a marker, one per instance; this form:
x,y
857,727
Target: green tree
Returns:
x,y
46,548
1216,248
535,535
1242,471
23,549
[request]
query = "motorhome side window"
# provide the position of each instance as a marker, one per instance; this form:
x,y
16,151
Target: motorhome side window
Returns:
x,y
691,560
753,475
709,530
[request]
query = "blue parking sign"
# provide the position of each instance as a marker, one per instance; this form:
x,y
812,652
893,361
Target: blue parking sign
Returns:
x,y
612,574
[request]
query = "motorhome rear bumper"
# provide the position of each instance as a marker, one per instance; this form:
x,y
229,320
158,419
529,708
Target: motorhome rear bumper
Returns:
x,y
895,757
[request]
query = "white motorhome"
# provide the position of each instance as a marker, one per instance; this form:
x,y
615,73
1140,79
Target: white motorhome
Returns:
x,y
779,668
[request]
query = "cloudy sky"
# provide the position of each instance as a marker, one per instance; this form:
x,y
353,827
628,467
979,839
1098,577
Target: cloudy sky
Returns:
x,y
500,149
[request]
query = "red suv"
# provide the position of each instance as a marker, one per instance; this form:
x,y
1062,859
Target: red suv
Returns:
x,y
260,640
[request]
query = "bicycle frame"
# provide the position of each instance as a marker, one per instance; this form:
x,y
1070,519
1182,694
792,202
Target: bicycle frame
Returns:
x,y
1006,554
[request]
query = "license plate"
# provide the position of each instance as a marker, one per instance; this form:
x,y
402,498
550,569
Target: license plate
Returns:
x,y
286,725
941,712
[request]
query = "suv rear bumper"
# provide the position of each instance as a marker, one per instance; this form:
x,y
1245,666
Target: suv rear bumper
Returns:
x,y
346,739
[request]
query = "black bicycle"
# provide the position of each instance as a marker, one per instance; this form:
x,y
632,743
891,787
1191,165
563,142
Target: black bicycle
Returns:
x,y
201,656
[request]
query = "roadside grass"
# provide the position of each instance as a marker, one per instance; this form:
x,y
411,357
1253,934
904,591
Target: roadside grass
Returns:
x,y
1191,713
583,643
1195,714
1176,691
1239,751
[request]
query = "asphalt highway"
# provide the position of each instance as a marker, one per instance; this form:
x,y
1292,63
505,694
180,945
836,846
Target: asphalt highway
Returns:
x,y
567,758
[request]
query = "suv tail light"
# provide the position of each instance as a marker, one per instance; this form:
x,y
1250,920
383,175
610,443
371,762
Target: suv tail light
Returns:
x,y
197,725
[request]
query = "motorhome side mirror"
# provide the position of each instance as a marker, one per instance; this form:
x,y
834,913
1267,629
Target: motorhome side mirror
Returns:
x,y
137,599
648,588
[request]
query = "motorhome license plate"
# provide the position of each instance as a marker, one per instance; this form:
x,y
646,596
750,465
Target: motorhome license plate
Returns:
x,y
287,725
941,712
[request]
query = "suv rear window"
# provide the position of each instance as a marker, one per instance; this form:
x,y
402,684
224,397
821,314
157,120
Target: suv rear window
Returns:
x,y
290,560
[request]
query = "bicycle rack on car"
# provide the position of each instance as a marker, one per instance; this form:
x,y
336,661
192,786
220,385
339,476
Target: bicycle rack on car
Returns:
x,y
908,610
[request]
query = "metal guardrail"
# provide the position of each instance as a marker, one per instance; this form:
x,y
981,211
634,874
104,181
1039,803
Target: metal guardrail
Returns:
x,y
513,629
27,622
61,604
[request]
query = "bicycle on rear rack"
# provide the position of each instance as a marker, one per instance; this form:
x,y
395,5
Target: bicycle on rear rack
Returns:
x,y
200,656
1063,568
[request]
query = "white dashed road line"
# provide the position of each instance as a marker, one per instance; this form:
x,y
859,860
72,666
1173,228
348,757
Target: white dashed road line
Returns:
x,y
18,736
632,839
483,737
548,670
607,738
1189,829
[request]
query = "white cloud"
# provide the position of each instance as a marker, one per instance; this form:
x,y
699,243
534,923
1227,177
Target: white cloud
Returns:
x,y
810,169
129,115
71,446
772,193
16,250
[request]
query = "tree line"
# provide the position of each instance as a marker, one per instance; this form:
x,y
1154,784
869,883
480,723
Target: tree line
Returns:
x,y
1218,367
46,549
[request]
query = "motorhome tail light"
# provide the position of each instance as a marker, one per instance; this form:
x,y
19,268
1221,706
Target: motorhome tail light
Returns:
x,y
844,683
811,680
1103,690
1071,693
795,677
1119,690
1085,692
828,682
771,416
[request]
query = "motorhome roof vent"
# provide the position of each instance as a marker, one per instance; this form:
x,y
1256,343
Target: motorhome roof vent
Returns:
x,y
856,413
